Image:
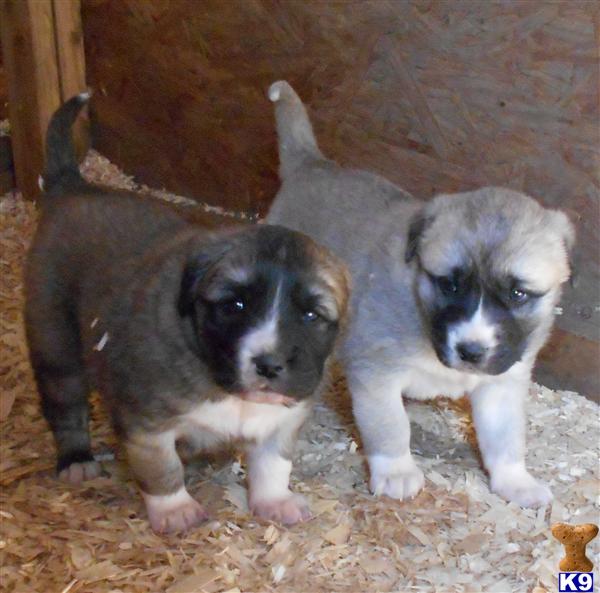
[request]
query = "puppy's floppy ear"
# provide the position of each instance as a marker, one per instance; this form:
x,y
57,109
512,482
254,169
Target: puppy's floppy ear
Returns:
x,y
564,228
416,228
196,270
340,282
560,224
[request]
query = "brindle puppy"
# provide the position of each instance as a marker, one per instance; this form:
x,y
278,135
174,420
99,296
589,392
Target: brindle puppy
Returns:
x,y
188,334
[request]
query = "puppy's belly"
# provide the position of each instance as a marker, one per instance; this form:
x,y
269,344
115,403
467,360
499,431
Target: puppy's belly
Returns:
x,y
234,418
424,384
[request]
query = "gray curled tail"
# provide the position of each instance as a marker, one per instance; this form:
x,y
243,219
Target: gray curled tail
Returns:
x,y
296,138
62,169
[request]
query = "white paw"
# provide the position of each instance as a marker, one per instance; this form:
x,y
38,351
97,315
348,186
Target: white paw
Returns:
x,y
515,484
174,512
287,510
396,477
79,472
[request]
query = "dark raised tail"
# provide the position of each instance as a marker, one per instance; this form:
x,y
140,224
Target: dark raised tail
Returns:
x,y
62,169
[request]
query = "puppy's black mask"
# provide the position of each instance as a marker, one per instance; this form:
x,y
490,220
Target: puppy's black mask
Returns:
x,y
258,322
455,299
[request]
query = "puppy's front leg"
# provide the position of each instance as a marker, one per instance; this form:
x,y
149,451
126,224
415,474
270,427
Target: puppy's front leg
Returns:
x,y
385,431
269,494
269,469
499,417
159,472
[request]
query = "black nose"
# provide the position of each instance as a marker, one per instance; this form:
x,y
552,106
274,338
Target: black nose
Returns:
x,y
470,351
267,366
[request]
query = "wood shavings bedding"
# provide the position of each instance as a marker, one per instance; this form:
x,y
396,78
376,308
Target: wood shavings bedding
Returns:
x,y
454,536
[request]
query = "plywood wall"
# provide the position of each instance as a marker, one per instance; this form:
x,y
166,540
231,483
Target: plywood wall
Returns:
x,y
437,96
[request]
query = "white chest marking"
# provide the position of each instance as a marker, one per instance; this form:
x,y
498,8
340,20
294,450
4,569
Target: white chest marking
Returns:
x,y
234,418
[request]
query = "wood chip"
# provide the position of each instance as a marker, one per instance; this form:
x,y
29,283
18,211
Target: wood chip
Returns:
x,y
419,534
338,535
238,496
98,572
194,582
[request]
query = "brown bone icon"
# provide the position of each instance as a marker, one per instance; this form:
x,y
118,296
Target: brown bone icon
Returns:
x,y
574,538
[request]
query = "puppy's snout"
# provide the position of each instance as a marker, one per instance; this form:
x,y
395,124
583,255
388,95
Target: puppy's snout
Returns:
x,y
267,366
472,352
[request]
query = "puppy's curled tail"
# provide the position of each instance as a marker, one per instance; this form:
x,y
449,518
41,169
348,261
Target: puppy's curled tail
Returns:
x,y
62,169
296,138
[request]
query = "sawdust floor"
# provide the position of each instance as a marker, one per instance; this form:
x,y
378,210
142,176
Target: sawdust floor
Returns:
x,y
454,536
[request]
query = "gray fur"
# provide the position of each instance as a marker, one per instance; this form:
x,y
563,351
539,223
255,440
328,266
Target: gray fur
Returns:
x,y
392,242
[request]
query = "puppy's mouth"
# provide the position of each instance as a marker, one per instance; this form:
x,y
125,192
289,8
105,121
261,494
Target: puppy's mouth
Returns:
x,y
263,395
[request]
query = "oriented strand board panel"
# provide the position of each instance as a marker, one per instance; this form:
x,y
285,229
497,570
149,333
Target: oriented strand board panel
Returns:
x,y
437,96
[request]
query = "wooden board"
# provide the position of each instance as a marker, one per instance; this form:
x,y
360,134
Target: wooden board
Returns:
x,y
29,58
7,175
71,61
44,65
437,96
570,362
3,91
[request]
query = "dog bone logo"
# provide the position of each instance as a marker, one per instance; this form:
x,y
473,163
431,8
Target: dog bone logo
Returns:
x,y
575,538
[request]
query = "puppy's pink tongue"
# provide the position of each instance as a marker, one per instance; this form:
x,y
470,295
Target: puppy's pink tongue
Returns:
x,y
268,397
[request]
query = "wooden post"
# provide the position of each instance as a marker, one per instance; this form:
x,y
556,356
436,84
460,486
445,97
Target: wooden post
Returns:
x,y
43,58
71,62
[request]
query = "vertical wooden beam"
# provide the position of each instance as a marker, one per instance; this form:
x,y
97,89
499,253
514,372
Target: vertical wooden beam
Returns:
x,y
29,50
71,62
36,75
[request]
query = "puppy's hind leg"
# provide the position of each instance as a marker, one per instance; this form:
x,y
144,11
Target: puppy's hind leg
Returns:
x,y
55,354
499,417
65,406
385,432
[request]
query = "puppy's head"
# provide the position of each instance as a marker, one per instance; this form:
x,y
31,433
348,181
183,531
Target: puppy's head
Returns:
x,y
266,304
490,267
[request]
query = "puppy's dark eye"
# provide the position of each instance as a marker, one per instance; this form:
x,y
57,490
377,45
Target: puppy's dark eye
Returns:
x,y
518,296
309,316
232,307
447,284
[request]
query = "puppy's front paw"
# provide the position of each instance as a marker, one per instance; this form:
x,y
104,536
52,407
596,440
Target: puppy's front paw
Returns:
x,y
174,512
515,484
396,477
288,510
78,472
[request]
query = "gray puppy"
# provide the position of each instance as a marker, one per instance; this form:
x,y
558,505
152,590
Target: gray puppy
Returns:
x,y
192,337
451,296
